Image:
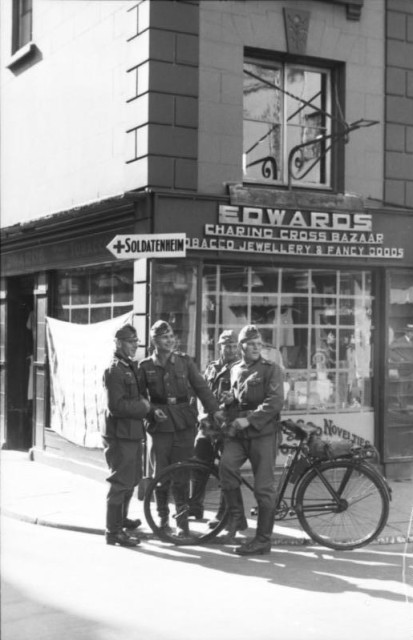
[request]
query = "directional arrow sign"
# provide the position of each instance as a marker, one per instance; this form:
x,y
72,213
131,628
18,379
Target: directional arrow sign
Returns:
x,y
155,245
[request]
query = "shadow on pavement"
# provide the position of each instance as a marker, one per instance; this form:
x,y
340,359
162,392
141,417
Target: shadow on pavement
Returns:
x,y
376,572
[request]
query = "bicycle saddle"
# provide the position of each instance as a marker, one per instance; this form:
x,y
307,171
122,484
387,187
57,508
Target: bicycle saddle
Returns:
x,y
300,429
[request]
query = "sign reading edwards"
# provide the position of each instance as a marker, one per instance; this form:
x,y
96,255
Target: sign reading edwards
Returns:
x,y
156,245
299,233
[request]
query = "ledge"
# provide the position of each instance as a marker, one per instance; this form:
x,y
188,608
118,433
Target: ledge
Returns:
x,y
22,56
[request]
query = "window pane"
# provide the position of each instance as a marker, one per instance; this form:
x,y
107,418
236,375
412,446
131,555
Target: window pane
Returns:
x,y
80,316
175,301
262,122
122,285
99,314
101,286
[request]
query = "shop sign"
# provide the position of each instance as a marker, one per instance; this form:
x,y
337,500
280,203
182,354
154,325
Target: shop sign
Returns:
x,y
296,233
156,245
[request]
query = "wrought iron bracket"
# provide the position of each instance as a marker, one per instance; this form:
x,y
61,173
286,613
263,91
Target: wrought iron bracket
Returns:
x,y
332,137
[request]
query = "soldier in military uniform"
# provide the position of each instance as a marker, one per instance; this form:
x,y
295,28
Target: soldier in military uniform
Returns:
x,y
217,375
257,386
172,383
123,435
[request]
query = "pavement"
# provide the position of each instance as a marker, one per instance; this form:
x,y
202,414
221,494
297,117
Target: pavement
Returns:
x,y
45,495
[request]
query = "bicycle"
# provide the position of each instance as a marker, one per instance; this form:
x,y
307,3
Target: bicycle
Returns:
x,y
339,498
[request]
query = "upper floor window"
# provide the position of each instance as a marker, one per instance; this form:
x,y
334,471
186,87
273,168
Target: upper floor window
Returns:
x,y
22,23
286,105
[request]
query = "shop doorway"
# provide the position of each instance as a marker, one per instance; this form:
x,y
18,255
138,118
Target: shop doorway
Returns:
x,y
19,357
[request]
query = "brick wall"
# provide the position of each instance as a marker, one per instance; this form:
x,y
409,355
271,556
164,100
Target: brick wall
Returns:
x,y
398,170
227,27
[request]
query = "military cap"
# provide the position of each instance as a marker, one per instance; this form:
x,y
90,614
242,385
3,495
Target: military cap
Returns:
x,y
227,337
249,332
125,332
159,328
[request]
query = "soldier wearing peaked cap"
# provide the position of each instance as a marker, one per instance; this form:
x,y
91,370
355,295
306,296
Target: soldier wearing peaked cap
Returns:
x,y
217,375
257,387
172,383
123,435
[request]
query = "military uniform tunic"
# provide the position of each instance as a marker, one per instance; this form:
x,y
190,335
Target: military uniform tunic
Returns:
x,y
173,387
123,430
259,396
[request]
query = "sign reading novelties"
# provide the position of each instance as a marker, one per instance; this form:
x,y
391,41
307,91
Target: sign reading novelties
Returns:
x,y
300,233
156,245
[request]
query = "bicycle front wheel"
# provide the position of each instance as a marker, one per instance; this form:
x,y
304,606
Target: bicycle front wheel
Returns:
x,y
342,505
182,500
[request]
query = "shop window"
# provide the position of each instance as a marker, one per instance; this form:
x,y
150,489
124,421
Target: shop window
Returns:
x,y
316,323
174,300
94,295
22,24
399,385
286,105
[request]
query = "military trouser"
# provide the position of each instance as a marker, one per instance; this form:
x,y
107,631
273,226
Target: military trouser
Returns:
x,y
124,459
165,449
261,453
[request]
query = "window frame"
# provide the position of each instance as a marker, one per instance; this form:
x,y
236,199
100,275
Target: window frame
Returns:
x,y
336,92
19,39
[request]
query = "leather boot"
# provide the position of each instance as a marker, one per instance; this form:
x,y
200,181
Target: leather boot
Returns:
x,y
261,544
196,507
243,524
161,496
220,513
127,522
122,539
114,532
236,516
182,509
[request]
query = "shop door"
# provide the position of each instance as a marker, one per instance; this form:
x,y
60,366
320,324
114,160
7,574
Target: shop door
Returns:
x,y
19,358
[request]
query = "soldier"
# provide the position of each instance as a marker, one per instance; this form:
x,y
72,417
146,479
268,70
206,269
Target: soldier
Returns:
x,y
172,382
217,375
257,385
123,435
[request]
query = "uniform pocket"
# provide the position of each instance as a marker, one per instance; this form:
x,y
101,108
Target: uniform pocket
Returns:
x,y
181,385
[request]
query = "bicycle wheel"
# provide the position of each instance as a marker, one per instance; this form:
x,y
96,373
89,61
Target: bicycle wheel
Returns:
x,y
355,517
188,494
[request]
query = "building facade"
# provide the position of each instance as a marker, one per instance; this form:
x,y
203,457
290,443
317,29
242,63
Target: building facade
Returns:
x,y
277,136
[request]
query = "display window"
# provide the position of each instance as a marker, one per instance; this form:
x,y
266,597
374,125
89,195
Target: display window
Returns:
x,y
316,323
93,295
399,384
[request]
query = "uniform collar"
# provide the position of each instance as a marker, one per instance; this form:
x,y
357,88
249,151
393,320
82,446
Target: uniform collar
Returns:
x,y
126,361
156,360
249,365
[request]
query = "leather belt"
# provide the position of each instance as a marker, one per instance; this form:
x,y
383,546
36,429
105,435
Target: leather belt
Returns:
x,y
246,406
170,401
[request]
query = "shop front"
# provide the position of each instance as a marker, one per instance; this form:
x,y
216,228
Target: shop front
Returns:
x,y
327,279
331,290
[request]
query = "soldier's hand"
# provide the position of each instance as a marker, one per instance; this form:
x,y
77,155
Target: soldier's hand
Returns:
x,y
241,423
227,397
160,416
219,416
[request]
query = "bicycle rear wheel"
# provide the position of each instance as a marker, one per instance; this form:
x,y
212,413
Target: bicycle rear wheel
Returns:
x,y
189,493
360,513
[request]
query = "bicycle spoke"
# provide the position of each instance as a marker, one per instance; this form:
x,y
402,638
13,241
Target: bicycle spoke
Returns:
x,y
360,513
